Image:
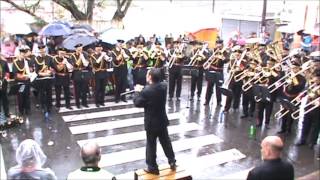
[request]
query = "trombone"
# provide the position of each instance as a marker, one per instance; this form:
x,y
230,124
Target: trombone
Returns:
x,y
273,87
309,106
174,56
296,101
193,59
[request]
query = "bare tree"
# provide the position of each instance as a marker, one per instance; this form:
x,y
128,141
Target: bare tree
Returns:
x,y
71,6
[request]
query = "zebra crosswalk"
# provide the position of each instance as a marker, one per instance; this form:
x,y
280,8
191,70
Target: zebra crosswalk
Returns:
x,y
121,129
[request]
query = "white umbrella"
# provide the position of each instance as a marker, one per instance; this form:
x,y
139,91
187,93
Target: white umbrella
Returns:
x,y
290,28
113,34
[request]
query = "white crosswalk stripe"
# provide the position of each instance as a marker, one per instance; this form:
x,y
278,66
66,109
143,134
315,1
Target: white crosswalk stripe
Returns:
x,y
136,136
102,114
114,124
93,106
125,156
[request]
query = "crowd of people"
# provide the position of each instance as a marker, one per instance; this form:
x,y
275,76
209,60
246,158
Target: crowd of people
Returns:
x,y
262,73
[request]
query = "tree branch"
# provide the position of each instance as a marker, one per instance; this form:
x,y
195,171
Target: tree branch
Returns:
x,y
72,8
127,7
90,5
23,9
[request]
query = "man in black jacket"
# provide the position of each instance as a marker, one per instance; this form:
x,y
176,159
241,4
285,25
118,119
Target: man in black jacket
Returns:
x,y
153,99
273,167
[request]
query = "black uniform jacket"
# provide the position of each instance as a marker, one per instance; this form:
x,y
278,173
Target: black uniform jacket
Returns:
x,y
153,99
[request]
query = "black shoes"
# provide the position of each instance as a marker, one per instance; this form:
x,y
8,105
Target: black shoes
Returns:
x,y
244,116
102,104
152,171
206,103
69,107
173,166
124,100
97,105
85,105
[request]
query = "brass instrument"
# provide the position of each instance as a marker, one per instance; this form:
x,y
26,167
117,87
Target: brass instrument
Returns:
x,y
274,51
309,106
282,81
198,53
233,69
296,101
241,75
176,52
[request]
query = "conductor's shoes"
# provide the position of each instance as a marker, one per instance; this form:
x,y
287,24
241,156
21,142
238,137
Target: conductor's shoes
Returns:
x,y
152,171
173,166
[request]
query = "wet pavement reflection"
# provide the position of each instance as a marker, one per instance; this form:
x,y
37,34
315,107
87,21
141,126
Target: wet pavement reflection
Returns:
x,y
62,149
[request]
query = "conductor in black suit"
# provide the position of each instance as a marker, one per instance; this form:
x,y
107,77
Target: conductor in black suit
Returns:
x,y
273,167
153,99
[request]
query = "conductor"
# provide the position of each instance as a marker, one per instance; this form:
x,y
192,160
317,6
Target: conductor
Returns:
x,y
153,99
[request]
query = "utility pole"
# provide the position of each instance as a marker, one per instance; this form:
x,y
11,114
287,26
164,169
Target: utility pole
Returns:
x,y
213,3
263,20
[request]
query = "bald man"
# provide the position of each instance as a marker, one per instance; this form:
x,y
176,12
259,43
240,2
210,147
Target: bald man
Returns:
x,y
273,167
91,155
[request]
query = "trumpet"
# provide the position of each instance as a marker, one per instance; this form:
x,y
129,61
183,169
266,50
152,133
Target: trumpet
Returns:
x,y
309,106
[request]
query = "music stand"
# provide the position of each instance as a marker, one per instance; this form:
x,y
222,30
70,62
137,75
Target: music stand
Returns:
x,y
189,68
226,92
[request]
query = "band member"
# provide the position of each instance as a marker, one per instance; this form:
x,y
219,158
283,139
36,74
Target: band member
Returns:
x,y
176,59
100,64
311,121
265,102
22,69
199,55
4,74
119,61
81,75
62,65
295,85
214,73
140,58
44,81
248,102
238,66
158,57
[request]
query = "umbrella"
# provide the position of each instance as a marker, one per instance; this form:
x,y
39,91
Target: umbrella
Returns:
x,y
55,30
75,39
68,24
113,34
106,46
81,31
83,26
290,28
253,40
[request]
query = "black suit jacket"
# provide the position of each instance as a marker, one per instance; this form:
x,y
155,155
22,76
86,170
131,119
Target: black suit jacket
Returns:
x,y
276,169
153,99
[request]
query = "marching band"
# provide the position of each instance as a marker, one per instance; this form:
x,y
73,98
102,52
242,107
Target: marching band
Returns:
x,y
261,74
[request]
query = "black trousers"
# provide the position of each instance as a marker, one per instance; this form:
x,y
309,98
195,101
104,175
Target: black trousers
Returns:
x,y
139,76
175,78
311,122
151,148
81,88
121,80
264,108
62,82
45,93
248,103
214,79
100,82
4,98
236,88
24,98
196,81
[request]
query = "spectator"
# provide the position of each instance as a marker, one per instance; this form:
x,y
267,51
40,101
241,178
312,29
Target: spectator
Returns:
x,y
30,159
273,167
91,155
